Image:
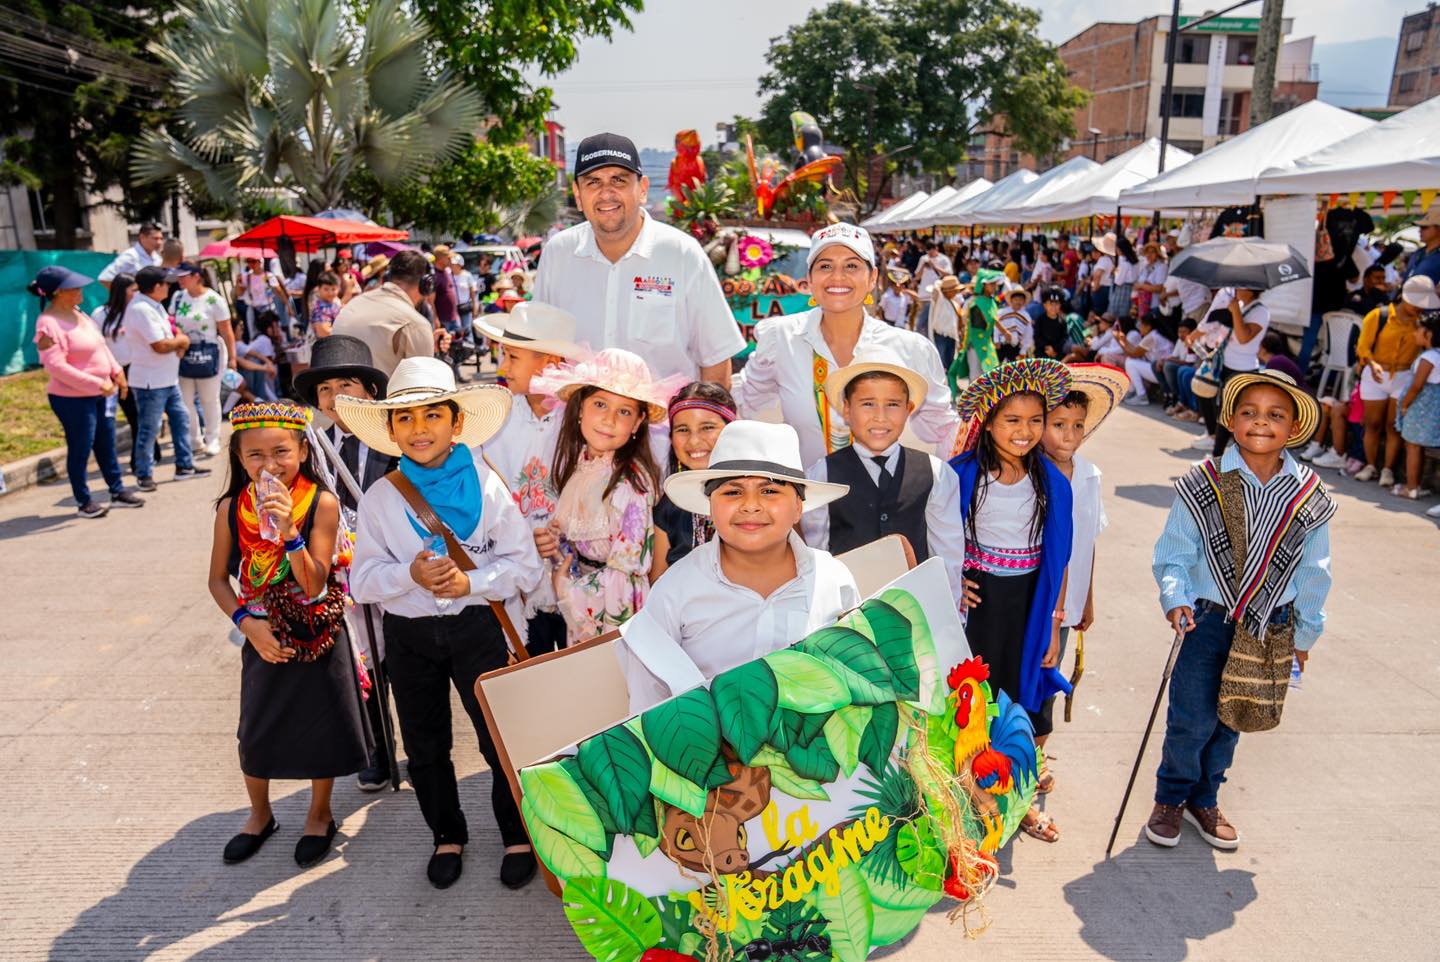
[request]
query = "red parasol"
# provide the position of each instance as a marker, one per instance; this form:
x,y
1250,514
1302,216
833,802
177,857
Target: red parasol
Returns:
x,y
312,233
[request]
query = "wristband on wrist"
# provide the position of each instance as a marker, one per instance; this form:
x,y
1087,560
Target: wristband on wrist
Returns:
x,y
295,544
240,614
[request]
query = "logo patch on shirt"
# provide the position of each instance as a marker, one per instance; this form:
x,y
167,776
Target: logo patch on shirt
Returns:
x,y
654,284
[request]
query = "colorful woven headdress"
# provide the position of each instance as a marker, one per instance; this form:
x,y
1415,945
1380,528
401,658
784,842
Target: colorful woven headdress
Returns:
x,y
1044,376
270,414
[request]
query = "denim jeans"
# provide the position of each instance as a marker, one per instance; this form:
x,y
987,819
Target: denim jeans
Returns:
x,y
87,429
1309,340
155,404
1184,377
946,346
922,318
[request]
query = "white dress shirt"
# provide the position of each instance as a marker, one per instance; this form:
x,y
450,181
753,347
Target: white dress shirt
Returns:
x,y
697,615
930,271
502,547
129,261
945,530
1089,521
944,321
661,300
145,323
782,371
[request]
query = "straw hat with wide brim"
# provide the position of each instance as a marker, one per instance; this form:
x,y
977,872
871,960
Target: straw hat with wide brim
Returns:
x,y
1104,385
751,449
534,326
1307,410
421,382
950,285
1105,243
871,362
375,265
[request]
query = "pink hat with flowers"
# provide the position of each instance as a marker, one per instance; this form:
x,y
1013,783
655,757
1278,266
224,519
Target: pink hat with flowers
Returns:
x,y
614,370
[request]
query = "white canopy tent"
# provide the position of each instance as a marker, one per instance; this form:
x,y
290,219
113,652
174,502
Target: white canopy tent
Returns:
x,y
1038,192
895,210
1400,153
1098,192
926,215
915,218
1226,175
1000,193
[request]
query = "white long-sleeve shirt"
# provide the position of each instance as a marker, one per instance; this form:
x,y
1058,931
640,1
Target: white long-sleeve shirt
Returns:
x,y
701,621
502,547
782,370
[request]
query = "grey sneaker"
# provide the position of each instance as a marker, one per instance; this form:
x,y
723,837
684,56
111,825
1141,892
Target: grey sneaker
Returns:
x,y
126,499
92,509
145,484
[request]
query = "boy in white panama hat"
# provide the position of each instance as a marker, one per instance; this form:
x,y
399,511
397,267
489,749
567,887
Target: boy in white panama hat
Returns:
x,y
439,624
755,587
894,489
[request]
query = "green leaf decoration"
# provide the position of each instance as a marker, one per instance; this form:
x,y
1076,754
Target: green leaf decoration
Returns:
x,y
783,730
787,780
691,942
801,728
891,632
614,922
878,741
843,732
596,800
916,848
856,660
562,855
618,765
647,844
649,820
674,921
851,916
932,686
684,734
806,684
746,700
676,789
898,908
561,804
814,761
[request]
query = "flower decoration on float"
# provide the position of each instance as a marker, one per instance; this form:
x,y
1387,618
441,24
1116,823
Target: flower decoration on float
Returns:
x,y
755,251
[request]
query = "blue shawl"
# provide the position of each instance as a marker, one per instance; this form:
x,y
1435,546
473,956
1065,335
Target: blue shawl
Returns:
x,y
1036,683
452,489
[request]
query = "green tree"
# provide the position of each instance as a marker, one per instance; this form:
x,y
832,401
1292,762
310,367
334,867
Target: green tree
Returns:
x,y
492,44
290,96
913,81
77,88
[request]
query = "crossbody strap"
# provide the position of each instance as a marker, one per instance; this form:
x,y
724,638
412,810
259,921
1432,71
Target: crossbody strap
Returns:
x,y
426,516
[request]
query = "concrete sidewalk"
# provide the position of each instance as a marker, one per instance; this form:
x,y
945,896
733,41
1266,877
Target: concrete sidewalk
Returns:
x,y
118,733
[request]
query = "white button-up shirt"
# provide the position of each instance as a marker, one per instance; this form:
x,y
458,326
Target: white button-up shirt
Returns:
x,y
697,615
945,530
1089,521
129,261
502,547
661,300
782,370
145,323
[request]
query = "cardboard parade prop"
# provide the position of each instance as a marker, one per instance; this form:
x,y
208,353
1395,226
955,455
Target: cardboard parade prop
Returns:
x,y
820,799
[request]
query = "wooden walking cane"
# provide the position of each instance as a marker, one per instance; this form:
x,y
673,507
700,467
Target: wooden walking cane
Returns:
x,y
1154,710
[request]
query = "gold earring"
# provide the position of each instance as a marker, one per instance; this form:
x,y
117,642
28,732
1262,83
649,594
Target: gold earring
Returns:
x,y
811,302
869,298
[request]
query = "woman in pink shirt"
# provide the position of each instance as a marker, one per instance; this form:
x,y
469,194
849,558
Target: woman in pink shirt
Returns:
x,y
83,375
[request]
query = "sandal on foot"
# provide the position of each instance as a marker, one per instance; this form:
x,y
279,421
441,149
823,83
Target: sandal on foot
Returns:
x,y
1042,827
1045,784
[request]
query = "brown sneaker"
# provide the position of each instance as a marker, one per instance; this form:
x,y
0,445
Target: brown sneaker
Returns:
x,y
1164,825
1213,827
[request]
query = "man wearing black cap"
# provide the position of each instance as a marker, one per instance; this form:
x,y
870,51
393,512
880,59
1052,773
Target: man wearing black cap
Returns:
x,y
634,283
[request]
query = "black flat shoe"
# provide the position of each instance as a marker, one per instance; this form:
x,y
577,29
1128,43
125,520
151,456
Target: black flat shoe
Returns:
x,y
516,869
244,845
444,869
312,848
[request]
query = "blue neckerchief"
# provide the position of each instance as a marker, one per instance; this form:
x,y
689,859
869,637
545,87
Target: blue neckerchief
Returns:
x,y
452,489
1036,683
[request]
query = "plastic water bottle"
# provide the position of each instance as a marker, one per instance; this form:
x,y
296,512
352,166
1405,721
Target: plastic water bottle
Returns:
x,y
1296,678
435,544
264,488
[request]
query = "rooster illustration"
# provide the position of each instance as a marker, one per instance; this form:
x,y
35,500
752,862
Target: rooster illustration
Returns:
x,y
995,750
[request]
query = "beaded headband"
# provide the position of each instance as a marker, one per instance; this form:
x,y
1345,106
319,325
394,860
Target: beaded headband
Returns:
x,y
726,414
1044,376
270,414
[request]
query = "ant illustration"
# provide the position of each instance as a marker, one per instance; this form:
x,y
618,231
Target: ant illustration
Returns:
x,y
790,946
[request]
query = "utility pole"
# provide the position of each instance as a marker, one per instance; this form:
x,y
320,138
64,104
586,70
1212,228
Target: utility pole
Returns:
x,y
1267,52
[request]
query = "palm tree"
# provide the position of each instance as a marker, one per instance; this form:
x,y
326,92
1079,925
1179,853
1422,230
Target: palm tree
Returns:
x,y
283,96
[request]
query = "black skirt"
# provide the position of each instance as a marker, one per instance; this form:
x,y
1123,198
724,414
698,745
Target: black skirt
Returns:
x,y
301,719
995,629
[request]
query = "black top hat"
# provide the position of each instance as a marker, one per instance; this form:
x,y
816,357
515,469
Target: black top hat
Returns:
x,y
339,355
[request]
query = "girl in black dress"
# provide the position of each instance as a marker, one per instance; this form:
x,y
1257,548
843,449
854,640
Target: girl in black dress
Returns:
x,y
697,413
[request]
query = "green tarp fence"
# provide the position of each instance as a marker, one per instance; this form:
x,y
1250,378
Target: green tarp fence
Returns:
x,y
19,308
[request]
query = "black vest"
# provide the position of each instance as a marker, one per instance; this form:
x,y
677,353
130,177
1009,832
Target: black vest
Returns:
x,y
867,513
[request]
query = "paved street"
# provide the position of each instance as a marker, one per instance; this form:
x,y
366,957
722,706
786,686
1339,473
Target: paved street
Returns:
x,y
117,735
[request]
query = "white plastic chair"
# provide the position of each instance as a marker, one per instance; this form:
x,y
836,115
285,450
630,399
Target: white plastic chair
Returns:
x,y
1338,325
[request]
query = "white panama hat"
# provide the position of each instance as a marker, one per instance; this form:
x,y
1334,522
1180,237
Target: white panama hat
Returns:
x,y
751,449
534,326
420,382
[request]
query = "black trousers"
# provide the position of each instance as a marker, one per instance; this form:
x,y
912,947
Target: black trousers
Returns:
x,y
424,656
545,632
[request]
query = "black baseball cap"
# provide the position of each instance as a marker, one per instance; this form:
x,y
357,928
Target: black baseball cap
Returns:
x,y
606,150
147,277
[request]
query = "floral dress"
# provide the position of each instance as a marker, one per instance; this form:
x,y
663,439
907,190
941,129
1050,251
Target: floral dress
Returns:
x,y
605,545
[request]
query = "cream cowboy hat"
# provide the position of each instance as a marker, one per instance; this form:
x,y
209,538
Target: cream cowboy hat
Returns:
x,y
876,360
1103,385
375,265
1307,410
1105,244
751,449
614,370
418,382
534,326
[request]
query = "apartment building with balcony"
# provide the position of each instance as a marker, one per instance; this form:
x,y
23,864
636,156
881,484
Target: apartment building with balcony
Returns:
x,y
1416,76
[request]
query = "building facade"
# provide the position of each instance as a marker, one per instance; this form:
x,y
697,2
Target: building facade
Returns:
x,y
1416,76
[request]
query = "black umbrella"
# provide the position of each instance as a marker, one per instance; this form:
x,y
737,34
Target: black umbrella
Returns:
x,y
1240,262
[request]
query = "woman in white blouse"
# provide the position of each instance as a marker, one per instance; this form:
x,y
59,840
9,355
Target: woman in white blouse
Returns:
x,y
795,353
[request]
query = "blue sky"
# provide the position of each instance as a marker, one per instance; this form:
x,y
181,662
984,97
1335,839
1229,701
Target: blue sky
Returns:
x,y
691,63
